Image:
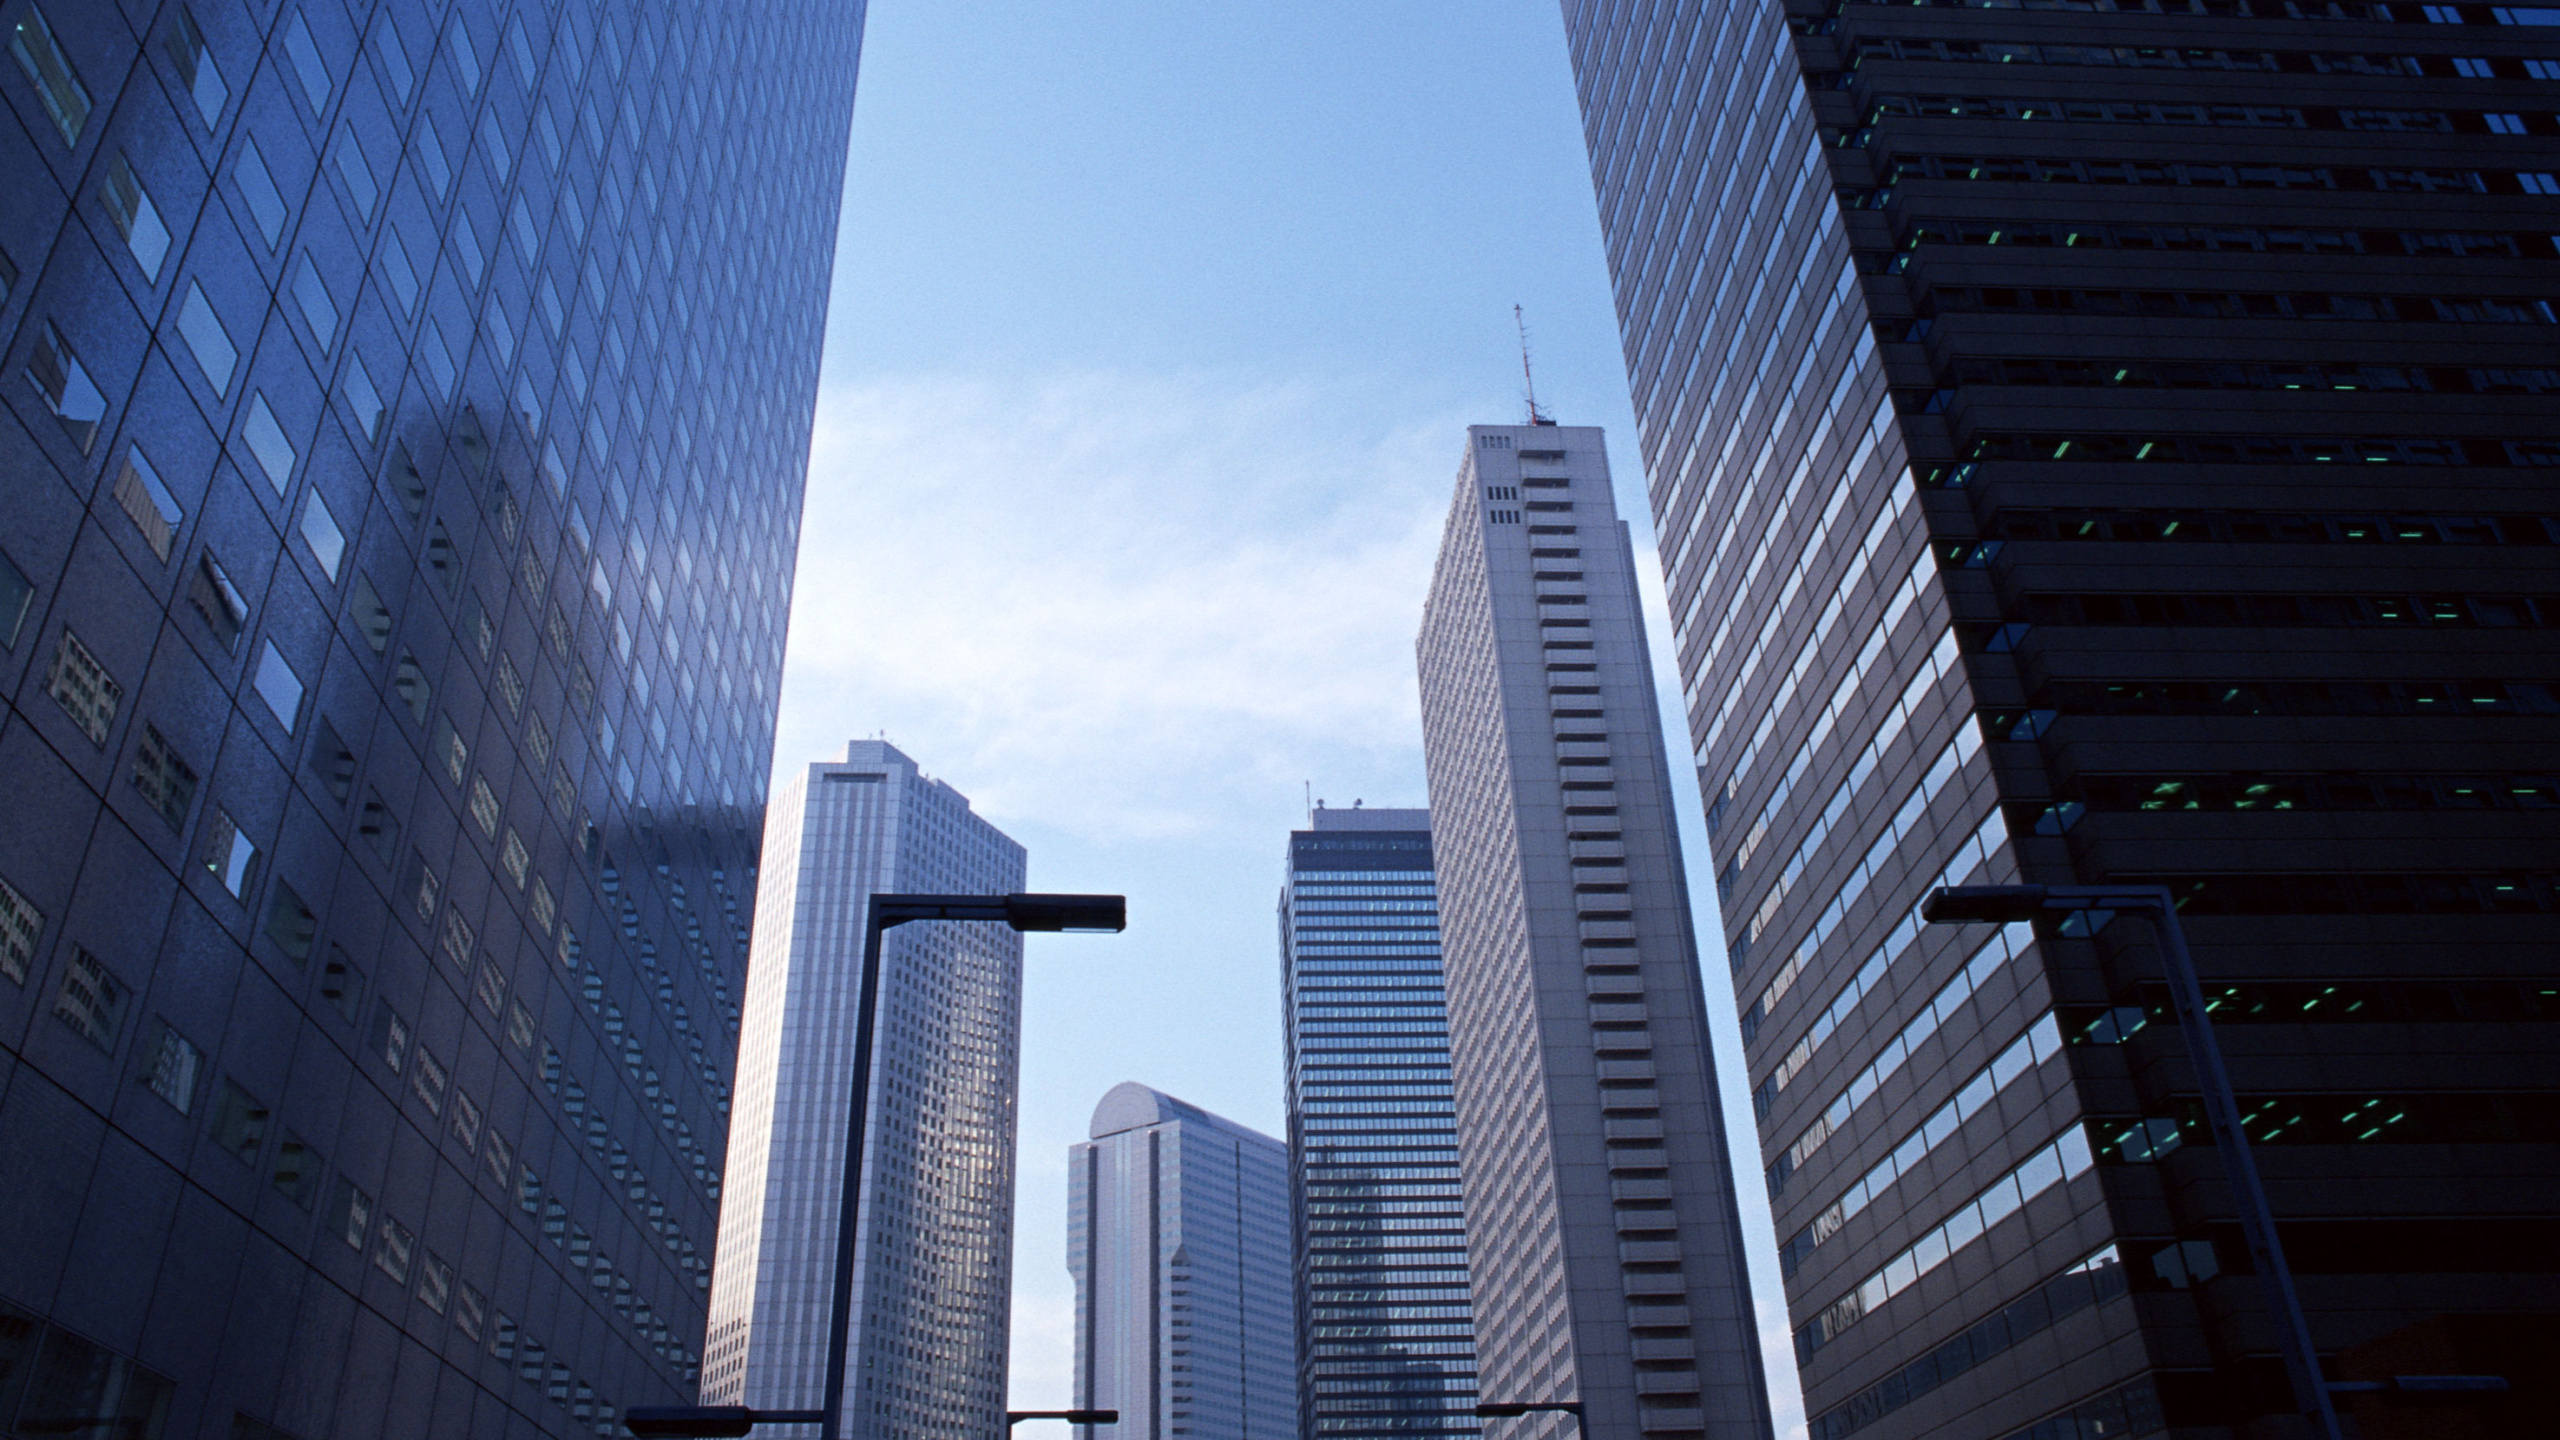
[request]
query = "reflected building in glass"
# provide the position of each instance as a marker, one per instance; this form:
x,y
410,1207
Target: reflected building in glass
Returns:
x,y
406,412
1386,1330
2109,443
1606,1249
933,1265
1178,1238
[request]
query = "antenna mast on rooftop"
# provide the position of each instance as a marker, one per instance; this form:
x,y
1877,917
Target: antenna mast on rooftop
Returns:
x,y
1527,379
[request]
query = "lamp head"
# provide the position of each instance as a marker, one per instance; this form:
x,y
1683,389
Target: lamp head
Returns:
x,y
1084,914
1983,904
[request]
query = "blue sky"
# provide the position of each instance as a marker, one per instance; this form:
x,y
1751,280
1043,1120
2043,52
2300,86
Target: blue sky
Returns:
x,y
1155,331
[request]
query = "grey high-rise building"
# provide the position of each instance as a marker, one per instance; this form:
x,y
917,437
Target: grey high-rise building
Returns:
x,y
1386,1328
1178,1238
2102,443
933,1265
1606,1248
407,405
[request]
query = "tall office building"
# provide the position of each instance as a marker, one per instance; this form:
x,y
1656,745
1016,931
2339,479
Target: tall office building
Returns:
x,y
407,406
1386,1329
933,1265
1178,1238
1606,1245
2093,443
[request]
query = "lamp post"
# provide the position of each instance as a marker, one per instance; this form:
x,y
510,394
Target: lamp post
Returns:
x,y
1072,1417
2006,904
1513,1409
1091,914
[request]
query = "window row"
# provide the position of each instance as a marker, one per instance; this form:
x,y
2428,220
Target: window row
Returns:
x,y
2270,698
2439,612
2250,239
2489,1001
2485,451
2439,1117
2068,170
2238,305
2140,112
2258,527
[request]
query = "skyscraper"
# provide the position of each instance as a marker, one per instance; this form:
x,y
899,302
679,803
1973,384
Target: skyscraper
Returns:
x,y
1386,1329
1605,1241
2106,443
407,410
934,1260
1178,1238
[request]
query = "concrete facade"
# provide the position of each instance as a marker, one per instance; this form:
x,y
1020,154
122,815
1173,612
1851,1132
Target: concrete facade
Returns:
x,y
1606,1248
933,1265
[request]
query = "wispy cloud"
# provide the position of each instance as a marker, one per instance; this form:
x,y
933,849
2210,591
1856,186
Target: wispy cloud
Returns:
x,y
1118,603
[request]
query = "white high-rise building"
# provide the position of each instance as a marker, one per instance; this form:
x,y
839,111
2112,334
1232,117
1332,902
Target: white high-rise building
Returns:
x,y
1178,1237
1604,1238
934,1261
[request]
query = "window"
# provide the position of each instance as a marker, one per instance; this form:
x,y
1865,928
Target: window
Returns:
x,y
364,403
393,57
266,441
207,340
380,829
393,1245
196,71
428,1078
67,390
450,749
239,1122
342,984
135,218
372,617
279,687
307,64
409,682
87,693
296,1171
20,923
430,153
390,1038
91,1000
320,531
17,594
258,188
432,349
311,296
170,1065
470,1312
458,939
501,1159
350,1214
355,173
519,1027
291,924
2473,69
2539,182
218,600
484,805
492,988
230,856
399,273
147,502
466,1120
2505,124
167,783
65,99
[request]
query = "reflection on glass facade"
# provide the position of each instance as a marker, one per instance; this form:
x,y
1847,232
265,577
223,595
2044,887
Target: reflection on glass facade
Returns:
x,y
1607,1261
407,408
1178,1238
1386,1331
2106,442
933,1265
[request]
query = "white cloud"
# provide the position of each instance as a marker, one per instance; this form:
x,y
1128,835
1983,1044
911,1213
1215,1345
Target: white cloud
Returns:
x,y
1121,604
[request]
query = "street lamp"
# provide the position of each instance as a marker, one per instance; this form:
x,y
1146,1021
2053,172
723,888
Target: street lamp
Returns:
x,y
2007,904
1072,1417
1085,914
1513,1409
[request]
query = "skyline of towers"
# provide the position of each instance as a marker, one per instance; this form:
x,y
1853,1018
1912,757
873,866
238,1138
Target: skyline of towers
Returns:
x,y
390,643
2108,443
1385,1324
1178,1239
1605,1237
934,1260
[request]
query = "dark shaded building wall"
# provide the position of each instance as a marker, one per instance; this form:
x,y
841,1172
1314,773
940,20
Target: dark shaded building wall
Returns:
x,y
406,410
2156,406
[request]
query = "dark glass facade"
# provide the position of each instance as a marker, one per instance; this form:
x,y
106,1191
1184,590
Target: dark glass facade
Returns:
x,y
1386,1331
406,412
2110,442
